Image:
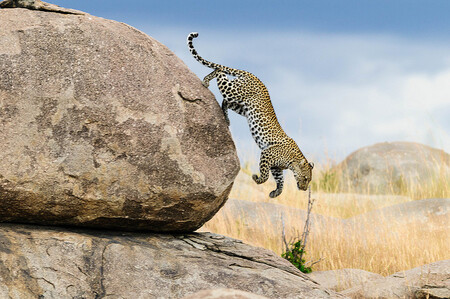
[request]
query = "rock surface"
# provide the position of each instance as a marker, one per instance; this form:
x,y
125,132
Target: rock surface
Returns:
x,y
389,167
223,294
63,263
103,126
432,279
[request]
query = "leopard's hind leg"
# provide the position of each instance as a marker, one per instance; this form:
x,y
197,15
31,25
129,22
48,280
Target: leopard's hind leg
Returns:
x,y
222,80
225,86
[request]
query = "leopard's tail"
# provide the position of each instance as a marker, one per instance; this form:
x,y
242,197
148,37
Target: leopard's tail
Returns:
x,y
216,66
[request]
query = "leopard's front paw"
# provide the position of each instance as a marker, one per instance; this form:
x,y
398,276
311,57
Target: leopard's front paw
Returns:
x,y
275,193
256,179
205,83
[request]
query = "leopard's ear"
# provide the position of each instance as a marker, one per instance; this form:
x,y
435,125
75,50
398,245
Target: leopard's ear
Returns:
x,y
311,164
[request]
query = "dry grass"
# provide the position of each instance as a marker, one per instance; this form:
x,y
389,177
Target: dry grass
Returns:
x,y
384,249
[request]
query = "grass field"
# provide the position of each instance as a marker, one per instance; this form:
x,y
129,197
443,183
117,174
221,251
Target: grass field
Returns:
x,y
392,247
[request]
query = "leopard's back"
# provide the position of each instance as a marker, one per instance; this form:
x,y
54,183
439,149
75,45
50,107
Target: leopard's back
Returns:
x,y
261,117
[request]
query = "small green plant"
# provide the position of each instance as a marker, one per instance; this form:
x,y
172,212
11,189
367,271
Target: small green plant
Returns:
x,y
294,254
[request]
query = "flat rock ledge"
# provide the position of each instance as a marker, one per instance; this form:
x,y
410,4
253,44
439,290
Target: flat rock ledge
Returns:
x,y
45,262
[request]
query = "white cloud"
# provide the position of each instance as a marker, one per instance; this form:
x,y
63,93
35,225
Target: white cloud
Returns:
x,y
427,92
338,92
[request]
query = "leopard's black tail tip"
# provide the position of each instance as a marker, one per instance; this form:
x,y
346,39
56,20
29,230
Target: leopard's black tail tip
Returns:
x,y
192,35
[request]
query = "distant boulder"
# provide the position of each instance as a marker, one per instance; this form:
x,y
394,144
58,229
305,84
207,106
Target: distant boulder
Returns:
x,y
391,167
103,126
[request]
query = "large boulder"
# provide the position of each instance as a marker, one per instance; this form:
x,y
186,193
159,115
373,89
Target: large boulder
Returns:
x,y
43,262
103,126
393,167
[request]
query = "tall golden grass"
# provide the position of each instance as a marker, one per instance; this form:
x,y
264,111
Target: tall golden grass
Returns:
x,y
388,248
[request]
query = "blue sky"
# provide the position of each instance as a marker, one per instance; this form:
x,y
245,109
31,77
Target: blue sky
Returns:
x,y
409,17
341,74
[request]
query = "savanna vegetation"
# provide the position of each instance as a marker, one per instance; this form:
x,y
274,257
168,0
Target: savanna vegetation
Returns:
x,y
387,248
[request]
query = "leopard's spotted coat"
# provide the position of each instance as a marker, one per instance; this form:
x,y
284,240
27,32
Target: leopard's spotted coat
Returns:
x,y
248,96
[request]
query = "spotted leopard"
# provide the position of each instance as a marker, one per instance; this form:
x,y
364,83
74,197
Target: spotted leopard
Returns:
x,y
248,96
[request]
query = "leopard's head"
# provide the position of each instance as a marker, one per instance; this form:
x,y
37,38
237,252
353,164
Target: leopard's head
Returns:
x,y
303,173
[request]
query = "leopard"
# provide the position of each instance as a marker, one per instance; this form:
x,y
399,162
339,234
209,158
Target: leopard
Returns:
x,y
246,95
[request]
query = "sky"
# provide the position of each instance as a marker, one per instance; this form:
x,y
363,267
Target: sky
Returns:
x,y
341,74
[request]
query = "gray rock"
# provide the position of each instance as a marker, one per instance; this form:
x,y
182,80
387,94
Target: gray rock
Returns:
x,y
433,279
433,293
64,263
223,294
103,126
343,279
389,167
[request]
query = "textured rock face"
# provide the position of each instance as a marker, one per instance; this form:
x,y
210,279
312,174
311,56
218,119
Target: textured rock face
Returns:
x,y
101,125
56,263
389,167
223,294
